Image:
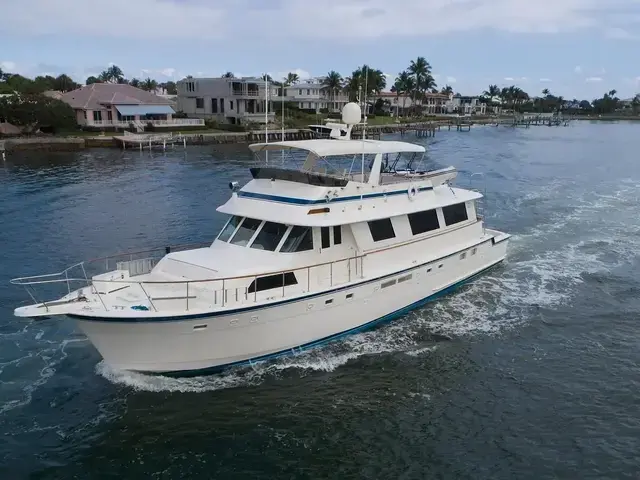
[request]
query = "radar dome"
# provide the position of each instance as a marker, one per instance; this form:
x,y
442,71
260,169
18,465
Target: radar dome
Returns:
x,y
351,113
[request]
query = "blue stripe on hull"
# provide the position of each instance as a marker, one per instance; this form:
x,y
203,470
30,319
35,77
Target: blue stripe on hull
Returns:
x,y
331,338
306,201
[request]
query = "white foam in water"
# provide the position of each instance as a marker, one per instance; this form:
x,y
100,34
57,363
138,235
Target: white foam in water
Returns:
x,y
45,357
566,247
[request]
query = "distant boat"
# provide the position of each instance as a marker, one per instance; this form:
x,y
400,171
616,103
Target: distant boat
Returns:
x,y
308,255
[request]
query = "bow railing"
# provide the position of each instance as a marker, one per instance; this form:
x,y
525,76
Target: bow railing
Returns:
x,y
105,276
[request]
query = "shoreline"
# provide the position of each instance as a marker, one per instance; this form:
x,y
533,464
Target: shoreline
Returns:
x,y
194,137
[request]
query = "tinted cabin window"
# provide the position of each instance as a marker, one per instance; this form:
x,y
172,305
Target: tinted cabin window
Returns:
x,y
421,222
246,230
324,234
455,213
269,236
300,239
337,235
229,228
381,229
272,281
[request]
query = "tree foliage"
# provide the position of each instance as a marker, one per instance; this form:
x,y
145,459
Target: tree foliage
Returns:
x,y
36,111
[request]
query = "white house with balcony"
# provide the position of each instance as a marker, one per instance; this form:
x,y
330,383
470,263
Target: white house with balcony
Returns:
x,y
112,105
314,95
466,105
227,100
401,104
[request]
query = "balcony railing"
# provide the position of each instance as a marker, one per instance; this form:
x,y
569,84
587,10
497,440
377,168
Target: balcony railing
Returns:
x,y
177,122
246,93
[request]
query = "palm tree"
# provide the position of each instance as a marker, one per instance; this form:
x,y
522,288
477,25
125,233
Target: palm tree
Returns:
x,y
228,75
447,90
292,78
333,83
115,73
149,85
371,82
421,69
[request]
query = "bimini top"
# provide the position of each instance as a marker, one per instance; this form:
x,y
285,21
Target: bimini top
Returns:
x,y
328,147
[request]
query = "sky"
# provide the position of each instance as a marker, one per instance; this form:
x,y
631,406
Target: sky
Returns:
x,y
575,48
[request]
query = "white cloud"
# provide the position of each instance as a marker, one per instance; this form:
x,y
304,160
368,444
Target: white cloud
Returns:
x,y
619,33
452,79
8,66
200,20
515,79
118,18
578,69
302,74
545,80
593,79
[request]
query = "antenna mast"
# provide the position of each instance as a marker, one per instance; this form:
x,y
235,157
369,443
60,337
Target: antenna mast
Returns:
x,y
266,114
364,123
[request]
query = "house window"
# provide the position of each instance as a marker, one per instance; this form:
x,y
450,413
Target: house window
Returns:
x,y
337,235
229,228
222,105
214,105
269,236
97,116
308,91
300,239
231,105
300,92
381,229
324,235
199,102
455,213
110,115
422,222
270,282
245,231
85,114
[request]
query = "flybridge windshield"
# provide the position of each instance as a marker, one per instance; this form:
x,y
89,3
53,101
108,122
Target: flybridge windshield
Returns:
x,y
345,167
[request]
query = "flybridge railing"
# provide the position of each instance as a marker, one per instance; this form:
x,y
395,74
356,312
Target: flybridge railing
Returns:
x,y
184,295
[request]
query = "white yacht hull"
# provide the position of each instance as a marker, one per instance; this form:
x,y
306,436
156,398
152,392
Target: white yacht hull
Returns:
x,y
196,344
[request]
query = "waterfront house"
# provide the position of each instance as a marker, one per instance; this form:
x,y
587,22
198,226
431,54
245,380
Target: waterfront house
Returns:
x,y
427,104
227,100
315,96
113,105
466,105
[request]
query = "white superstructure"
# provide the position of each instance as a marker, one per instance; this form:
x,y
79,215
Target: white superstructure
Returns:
x,y
352,236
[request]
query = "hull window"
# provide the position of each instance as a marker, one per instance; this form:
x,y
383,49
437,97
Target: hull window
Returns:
x,y
270,282
300,239
229,228
381,229
326,239
455,214
246,230
269,236
422,222
337,235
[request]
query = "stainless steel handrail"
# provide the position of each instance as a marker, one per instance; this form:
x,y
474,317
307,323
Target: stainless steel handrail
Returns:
x,y
240,293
